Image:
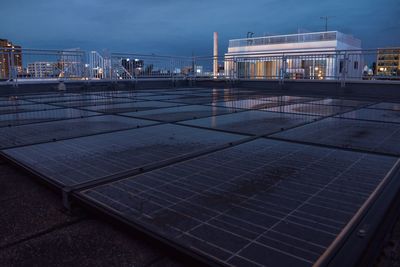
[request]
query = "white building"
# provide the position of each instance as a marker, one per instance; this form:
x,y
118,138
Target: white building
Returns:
x,y
316,55
41,69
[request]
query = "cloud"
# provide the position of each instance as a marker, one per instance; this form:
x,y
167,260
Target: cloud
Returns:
x,y
181,26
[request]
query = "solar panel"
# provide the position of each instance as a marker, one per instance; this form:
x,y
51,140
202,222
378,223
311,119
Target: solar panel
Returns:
x,y
97,102
195,100
43,95
374,115
12,102
341,102
161,97
262,203
79,160
291,99
63,98
58,130
25,108
252,122
44,115
181,113
247,104
387,105
131,106
310,109
129,94
364,135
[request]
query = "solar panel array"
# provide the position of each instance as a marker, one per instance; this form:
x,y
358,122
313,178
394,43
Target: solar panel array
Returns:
x,y
239,177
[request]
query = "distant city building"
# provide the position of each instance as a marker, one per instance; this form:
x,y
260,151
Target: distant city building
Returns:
x,y
305,55
42,69
133,67
71,63
388,62
10,55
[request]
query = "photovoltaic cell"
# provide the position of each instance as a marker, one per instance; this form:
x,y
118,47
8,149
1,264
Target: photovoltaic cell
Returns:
x,y
374,115
43,95
195,100
131,106
12,102
310,109
63,98
161,97
25,108
93,102
57,130
341,102
364,135
247,104
44,115
291,99
387,105
79,160
181,113
264,203
120,94
252,122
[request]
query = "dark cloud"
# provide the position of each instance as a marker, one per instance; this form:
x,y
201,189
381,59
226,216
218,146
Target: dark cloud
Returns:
x,y
183,26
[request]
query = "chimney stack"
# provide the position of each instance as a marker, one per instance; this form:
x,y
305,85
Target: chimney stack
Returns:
x,y
215,65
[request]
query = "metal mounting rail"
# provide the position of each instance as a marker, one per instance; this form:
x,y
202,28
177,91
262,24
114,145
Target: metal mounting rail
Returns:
x,y
349,245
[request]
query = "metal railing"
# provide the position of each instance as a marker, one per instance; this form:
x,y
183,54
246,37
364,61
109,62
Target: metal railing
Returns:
x,y
137,66
30,64
21,65
296,38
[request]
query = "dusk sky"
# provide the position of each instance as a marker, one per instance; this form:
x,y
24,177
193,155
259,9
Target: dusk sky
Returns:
x,y
180,27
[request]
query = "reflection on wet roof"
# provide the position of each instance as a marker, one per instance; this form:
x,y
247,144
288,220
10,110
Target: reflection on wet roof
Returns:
x,y
180,113
21,118
310,109
237,176
252,122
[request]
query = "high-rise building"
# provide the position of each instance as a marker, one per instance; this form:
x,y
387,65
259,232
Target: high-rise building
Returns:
x,y
42,69
388,62
313,55
134,67
10,56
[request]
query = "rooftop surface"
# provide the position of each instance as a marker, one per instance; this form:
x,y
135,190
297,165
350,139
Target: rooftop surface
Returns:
x,y
230,176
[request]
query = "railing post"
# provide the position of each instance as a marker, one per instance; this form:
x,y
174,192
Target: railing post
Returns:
x,y
283,70
344,70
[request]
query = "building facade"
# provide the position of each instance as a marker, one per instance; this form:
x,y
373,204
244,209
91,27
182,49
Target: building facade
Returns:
x,y
316,55
42,70
388,62
10,55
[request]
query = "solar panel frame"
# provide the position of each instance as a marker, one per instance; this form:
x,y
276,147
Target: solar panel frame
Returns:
x,y
52,131
252,122
81,160
21,118
142,213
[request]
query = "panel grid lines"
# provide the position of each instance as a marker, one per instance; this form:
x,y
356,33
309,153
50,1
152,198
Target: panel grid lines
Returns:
x,y
279,198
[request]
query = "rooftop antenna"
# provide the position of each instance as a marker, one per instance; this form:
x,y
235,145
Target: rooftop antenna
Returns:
x,y
326,18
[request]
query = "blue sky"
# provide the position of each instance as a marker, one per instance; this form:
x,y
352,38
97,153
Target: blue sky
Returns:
x,y
180,27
